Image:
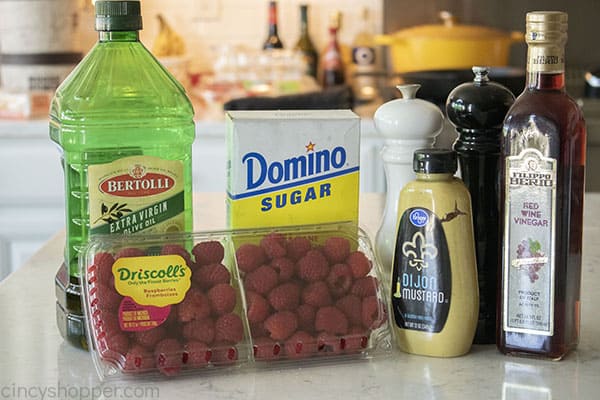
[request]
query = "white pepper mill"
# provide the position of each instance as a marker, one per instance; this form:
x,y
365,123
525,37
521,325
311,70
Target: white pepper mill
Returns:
x,y
407,124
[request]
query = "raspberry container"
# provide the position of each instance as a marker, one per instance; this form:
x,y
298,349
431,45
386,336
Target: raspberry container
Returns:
x,y
180,304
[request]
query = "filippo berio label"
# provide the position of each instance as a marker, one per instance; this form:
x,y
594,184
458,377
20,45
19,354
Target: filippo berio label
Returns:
x,y
292,167
422,278
528,259
138,193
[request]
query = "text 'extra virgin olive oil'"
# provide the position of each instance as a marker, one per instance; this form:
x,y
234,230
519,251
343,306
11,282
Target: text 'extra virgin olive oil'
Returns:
x,y
125,129
434,293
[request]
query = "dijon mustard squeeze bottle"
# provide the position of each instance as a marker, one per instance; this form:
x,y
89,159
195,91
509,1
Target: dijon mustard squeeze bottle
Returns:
x,y
434,293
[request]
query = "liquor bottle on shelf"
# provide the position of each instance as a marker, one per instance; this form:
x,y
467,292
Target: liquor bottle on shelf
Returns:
x,y
331,67
305,44
364,67
273,41
541,202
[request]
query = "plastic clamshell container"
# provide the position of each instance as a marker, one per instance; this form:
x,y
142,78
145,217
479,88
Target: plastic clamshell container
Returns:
x,y
190,303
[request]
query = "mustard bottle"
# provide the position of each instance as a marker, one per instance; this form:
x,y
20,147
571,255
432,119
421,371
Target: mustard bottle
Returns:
x,y
434,290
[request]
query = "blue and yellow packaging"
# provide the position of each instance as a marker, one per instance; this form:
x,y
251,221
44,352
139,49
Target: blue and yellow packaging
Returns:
x,y
292,167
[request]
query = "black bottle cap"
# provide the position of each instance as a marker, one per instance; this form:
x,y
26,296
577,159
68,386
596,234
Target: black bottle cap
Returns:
x,y
118,16
434,161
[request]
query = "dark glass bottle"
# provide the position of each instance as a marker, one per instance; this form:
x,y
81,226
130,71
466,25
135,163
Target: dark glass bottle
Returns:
x,y
305,44
541,202
331,69
273,41
477,110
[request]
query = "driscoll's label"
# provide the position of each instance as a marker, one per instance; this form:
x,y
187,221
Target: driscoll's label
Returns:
x,y
139,193
528,261
421,280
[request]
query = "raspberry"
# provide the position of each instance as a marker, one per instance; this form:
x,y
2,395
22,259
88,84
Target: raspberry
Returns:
x,y
317,294
328,344
336,249
297,248
115,346
281,325
359,263
301,344
130,252
266,349
196,354
200,330
138,359
257,329
258,307
306,317
262,280
175,249
229,328
313,266
274,245
249,257
364,287
223,354
150,337
194,306
373,314
168,355
106,298
285,297
284,267
104,263
222,298
331,320
351,306
356,340
210,252
340,280
106,323
210,275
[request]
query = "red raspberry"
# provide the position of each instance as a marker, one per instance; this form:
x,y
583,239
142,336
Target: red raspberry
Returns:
x,y
196,354
351,306
150,337
317,294
168,355
257,329
359,263
356,340
105,297
306,317
365,286
175,249
331,320
274,245
138,359
284,267
373,313
130,252
249,257
262,280
223,354
200,330
114,347
104,262
340,280
194,306
222,299
210,275
258,307
266,349
313,266
328,344
336,249
281,325
210,252
285,297
229,328
106,323
298,247
300,345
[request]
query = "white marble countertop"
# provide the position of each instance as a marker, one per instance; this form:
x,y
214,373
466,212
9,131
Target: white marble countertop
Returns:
x,y
35,363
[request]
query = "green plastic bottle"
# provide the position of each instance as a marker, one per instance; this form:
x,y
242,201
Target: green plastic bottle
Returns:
x,y
125,127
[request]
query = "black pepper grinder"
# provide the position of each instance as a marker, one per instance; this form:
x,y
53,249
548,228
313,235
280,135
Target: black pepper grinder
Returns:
x,y
477,110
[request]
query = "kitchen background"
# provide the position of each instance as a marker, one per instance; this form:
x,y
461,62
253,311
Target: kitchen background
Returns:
x,y
31,183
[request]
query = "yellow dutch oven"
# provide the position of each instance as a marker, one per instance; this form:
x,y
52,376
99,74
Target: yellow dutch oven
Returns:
x,y
448,45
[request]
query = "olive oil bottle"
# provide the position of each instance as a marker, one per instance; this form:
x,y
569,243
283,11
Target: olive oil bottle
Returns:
x,y
125,129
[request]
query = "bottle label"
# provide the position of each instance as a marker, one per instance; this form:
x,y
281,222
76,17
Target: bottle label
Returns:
x,y
138,193
545,58
363,56
528,259
422,278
